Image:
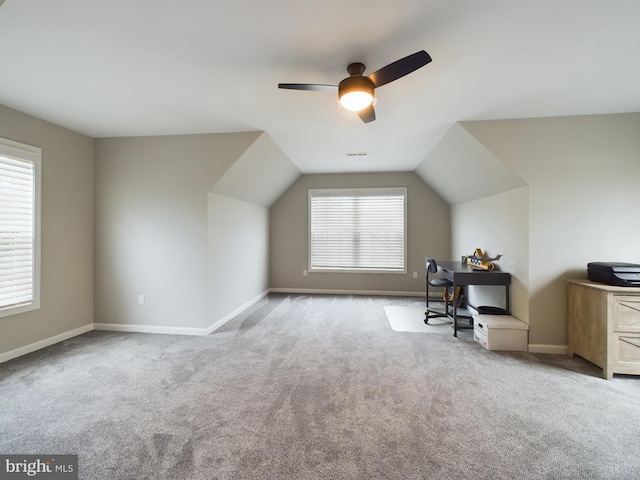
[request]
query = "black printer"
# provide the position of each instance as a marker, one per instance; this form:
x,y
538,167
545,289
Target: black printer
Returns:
x,y
615,273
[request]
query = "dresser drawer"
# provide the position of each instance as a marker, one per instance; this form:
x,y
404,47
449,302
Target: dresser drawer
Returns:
x,y
626,354
626,314
603,324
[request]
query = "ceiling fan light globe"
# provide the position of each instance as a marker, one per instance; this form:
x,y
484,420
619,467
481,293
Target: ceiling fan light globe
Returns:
x,y
356,100
355,92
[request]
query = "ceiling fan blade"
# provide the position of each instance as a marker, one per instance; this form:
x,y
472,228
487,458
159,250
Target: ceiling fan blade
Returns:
x,y
400,68
309,86
367,114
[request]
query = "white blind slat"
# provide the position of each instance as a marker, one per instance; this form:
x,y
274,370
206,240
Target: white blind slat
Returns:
x,y
364,230
17,200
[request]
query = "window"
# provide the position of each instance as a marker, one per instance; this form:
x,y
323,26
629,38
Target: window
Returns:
x,y
357,230
19,228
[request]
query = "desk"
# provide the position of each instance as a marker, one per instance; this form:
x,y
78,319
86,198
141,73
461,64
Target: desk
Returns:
x,y
463,275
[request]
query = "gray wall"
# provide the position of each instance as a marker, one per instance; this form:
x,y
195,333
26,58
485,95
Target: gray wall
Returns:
x,y
152,227
498,224
238,259
583,176
160,231
428,225
67,232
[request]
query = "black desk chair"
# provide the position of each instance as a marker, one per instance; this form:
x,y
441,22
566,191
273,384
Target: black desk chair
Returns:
x,y
432,267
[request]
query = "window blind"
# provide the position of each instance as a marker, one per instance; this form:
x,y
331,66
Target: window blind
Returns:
x,y
17,239
358,230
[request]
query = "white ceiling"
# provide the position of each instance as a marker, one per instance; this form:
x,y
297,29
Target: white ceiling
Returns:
x,y
154,67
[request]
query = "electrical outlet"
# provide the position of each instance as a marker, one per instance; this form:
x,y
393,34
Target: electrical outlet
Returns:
x,y
415,274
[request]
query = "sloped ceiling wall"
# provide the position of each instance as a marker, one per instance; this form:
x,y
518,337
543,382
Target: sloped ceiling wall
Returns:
x,y
582,174
460,169
238,227
261,174
151,225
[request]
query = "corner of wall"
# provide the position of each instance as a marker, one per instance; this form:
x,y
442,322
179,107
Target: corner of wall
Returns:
x,y
260,175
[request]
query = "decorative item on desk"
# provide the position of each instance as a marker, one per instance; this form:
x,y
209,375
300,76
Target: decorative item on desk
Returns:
x,y
450,296
480,260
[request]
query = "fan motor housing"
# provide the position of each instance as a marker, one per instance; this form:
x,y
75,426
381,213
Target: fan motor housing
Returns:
x,y
356,83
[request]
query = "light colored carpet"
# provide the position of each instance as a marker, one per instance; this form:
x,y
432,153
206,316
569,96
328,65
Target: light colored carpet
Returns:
x,y
317,387
410,318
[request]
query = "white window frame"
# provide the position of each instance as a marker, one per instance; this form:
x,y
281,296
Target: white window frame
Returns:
x,y
359,192
33,155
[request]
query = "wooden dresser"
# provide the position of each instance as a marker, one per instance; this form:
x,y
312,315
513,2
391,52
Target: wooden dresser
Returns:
x,y
604,326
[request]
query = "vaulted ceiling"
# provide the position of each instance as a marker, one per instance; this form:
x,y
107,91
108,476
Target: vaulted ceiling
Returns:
x,y
155,67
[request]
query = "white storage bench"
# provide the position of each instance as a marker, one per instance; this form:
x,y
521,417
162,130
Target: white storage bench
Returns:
x,y
501,332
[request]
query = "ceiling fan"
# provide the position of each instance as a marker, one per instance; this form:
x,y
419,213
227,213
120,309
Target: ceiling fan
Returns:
x,y
356,91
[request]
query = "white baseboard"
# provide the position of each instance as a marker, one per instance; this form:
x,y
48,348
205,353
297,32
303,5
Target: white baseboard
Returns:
x,y
10,355
551,349
115,327
236,312
4,357
317,291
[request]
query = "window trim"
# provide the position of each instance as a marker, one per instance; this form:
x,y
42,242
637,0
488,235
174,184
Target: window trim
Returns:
x,y
23,152
358,191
